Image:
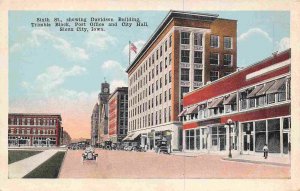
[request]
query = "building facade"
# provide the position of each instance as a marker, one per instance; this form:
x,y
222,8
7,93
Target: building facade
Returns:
x,y
118,114
258,101
185,52
103,112
95,124
30,129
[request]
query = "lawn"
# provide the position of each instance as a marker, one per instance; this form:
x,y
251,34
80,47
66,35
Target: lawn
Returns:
x,y
14,156
48,169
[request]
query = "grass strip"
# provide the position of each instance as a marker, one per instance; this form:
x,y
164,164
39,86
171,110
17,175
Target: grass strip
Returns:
x,y
48,169
15,155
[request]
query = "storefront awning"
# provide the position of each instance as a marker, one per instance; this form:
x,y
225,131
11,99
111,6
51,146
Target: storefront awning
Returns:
x,y
126,138
265,88
276,86
216,102
182,113
192,110
231,99
255,91
135,135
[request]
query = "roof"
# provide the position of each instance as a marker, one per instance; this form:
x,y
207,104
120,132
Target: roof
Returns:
x,y
40,114
169,17
119,89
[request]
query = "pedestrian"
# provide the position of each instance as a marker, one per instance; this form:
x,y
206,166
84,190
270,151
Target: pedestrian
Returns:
x,y
266,150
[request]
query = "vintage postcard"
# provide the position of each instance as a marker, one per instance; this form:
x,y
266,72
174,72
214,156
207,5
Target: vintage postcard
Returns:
x,y
185,96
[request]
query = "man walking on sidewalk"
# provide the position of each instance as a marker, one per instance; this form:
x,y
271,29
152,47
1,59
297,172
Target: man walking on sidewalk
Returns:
x,y
266,150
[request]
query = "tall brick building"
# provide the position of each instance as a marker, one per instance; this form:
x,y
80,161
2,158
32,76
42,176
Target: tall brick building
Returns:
x,y
185,52
118,114
34,129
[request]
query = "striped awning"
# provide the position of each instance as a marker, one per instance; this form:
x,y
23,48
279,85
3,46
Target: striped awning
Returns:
x,y
255,91
231,99
276,86
192,110
265,88
182,113
216,102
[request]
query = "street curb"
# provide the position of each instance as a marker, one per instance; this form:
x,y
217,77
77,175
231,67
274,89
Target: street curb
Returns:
x,y
256,162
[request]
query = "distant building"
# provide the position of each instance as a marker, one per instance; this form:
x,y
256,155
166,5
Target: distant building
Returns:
x,y
95,124
34,129
185,52
103,112
257,99
118,114
66,138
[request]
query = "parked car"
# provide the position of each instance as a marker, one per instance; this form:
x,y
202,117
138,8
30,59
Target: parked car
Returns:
x,y
162,147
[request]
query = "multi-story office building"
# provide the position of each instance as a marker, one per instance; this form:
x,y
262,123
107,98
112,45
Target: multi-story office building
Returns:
x,y
103,112
95,124
118,114
185,52
34,129
256,99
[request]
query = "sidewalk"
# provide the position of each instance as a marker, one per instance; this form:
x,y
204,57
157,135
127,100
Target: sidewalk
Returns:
x,y
21,168
259,159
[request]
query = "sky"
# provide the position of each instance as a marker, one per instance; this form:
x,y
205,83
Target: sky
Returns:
x,y
51,71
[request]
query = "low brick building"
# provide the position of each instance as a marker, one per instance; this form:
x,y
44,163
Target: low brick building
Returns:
x,y
257,99
34,129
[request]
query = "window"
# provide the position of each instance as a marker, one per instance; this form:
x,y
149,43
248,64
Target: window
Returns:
x,y
214,75
185,38
198,57
185,74
160,82
185,56
170,94
157,54
227,59
260,135
165,96
214,41
198,75
170,76
160,50
184,90
160,66
190,139
170,58
166,62
166,79
166,46
214,58
170,41
169,113
157,69
198,39
228,42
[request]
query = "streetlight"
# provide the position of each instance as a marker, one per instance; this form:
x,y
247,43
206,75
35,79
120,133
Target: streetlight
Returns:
x,y
229,125
19,141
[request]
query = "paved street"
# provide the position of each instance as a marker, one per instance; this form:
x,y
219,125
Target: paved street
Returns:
x,y
122,164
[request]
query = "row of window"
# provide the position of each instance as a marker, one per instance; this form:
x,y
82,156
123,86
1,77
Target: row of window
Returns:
x,y
198,40
155,118
31,121
33,131
159,100
150,89
275,91
151,75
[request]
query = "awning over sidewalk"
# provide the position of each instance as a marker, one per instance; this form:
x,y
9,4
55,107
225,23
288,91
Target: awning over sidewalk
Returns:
x,y
265,88
216,102
131,136
182,113
255,91
231,99
275,88
192,110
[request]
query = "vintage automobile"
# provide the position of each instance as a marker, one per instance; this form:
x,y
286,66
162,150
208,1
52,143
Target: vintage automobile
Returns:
x,y
89,154
162,147
107,145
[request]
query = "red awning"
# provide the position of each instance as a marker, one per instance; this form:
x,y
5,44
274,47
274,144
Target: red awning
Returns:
x,y
192,110
182,113
265,88
255,91
275,88
230,99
